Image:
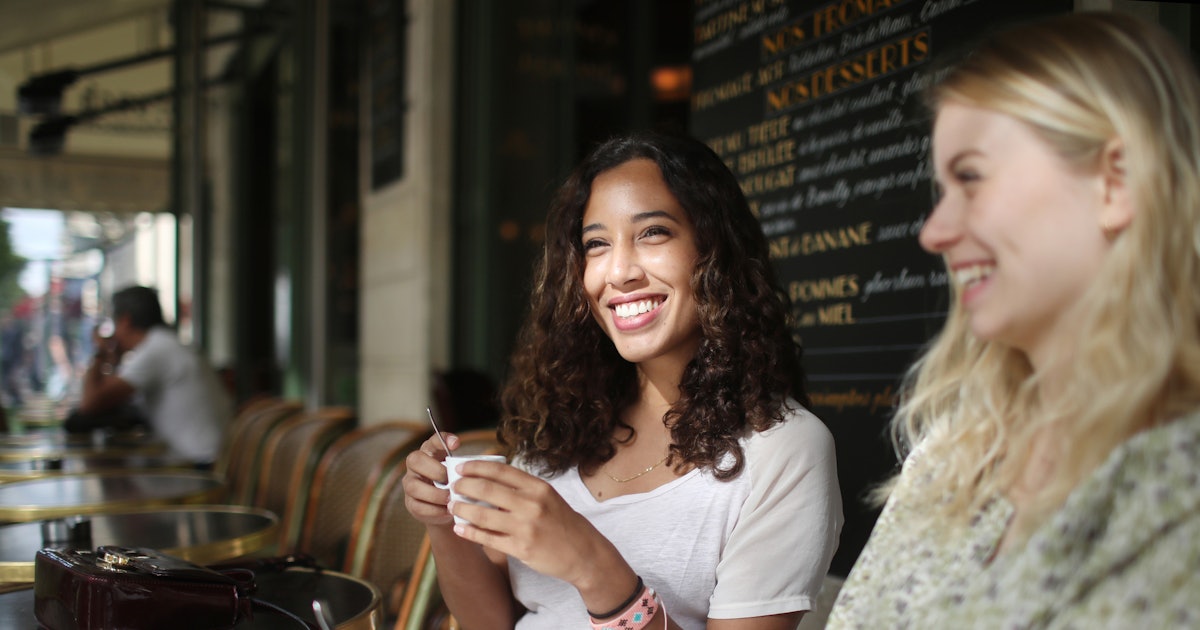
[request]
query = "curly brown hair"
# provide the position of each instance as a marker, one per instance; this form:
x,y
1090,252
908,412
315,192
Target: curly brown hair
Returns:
x,y
568,385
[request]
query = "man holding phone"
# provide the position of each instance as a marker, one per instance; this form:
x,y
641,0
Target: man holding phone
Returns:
x,y
142,373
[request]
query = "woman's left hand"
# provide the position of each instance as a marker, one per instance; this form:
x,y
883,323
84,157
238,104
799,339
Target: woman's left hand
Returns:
x,y
533,524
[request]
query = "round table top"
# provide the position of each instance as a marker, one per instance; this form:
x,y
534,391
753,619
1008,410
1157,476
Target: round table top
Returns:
x,y
57,444
66,495
16,608
203,534
42,412
78,464
39,420
353,603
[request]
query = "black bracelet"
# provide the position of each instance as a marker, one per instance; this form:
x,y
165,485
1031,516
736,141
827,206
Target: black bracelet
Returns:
x,y
625,604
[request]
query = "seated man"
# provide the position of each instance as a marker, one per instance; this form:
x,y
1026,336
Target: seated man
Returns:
x,y
143,371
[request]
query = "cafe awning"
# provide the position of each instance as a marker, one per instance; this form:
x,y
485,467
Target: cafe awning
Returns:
x,y
76,182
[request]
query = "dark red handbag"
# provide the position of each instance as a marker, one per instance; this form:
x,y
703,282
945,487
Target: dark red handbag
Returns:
x,y
116,588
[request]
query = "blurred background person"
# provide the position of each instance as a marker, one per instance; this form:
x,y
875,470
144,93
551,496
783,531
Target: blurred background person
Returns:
x,y
12,359
142,373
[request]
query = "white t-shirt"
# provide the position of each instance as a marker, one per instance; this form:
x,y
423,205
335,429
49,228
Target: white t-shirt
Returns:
x,y
179,393
758,544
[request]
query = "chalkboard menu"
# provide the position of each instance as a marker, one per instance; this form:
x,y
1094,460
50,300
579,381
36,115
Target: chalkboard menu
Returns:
x,y
386,59
815,106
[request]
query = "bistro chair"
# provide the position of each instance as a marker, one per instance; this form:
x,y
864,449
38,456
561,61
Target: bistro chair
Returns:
x,y
246,446
351,466
422,606
241,419
478,442
385,537
290,459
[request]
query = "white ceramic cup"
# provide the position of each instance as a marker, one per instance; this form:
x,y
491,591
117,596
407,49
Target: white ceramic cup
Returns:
x,y
451,463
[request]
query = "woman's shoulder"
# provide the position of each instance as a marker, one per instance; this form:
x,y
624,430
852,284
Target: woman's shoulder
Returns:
x,y
799,427
801,438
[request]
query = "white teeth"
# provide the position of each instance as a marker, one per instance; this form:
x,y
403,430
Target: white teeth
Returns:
x,y
970,275
629,309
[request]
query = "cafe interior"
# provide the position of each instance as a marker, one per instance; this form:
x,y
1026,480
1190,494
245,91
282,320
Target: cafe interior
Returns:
x,y
338,203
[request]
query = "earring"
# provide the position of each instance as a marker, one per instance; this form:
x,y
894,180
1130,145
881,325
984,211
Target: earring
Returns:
x,y
1110,231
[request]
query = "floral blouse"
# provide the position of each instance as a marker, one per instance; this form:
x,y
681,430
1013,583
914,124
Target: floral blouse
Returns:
x,y
1122,552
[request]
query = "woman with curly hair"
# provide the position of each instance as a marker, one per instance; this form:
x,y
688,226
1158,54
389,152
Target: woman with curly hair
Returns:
x,y
667,474
1054,424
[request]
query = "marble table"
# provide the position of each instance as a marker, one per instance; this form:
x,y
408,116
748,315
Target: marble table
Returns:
x,y
203,534
91,493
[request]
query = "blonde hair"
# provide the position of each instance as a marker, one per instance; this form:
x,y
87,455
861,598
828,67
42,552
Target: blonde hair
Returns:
x,y
1079,81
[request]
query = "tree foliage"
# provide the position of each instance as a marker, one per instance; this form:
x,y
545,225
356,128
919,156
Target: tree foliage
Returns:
x,y
11,265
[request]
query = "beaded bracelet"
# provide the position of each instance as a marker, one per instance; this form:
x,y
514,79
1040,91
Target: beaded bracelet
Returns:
x,y
638,615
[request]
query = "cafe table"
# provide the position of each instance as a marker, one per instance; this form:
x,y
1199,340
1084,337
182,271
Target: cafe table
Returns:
x,y
91,493
16,607
203,534
41,413
353,603
77,464
57,444
38,421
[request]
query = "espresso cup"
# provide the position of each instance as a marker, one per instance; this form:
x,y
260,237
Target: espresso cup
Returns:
x,y
451,463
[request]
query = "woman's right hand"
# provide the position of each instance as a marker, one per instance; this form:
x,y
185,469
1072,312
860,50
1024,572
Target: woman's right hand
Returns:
x,y
474,585
425,501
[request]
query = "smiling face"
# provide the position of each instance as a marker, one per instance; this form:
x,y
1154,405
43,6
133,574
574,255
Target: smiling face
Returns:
x,y
1018,226
640,251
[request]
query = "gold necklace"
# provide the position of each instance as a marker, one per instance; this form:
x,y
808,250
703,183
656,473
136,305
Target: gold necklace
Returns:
x,y
648,469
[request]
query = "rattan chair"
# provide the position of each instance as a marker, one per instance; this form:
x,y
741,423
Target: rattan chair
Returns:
x,y
290,460
385,541
351,466
422,600
387,549
248,437
478,442
242,418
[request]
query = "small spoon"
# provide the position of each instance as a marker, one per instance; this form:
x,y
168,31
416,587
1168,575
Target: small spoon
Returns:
x,y
321,611
435,430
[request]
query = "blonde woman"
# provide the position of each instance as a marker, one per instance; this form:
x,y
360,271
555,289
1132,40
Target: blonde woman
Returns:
x,y
1054,424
